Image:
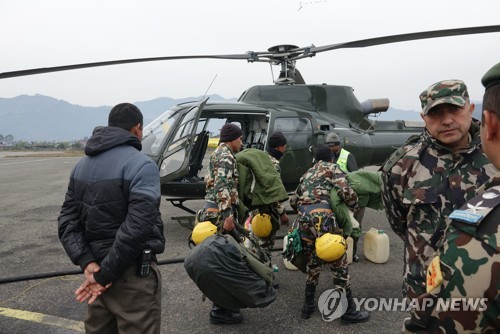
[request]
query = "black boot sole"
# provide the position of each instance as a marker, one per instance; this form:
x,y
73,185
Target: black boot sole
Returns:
x,y
350,322
305,315
225,318
216,321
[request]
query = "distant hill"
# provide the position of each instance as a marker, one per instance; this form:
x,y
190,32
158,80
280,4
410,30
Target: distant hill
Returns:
x,y
42,118
412,115
393,114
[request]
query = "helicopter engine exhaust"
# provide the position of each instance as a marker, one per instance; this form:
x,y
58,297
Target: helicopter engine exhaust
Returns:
x,y
373,106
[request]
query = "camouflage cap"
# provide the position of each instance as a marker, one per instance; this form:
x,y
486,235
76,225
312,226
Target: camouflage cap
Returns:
x,y
446,91
492,77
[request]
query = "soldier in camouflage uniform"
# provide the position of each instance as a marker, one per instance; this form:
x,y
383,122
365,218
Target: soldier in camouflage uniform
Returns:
x,y
312,201
469,259
276,146
432,175
222,198
347,163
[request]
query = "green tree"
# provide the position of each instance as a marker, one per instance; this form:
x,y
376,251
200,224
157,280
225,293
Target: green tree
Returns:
x,y
62,146
22,144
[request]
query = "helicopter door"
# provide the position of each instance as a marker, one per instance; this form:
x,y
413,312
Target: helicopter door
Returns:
x,y
298,155
176,161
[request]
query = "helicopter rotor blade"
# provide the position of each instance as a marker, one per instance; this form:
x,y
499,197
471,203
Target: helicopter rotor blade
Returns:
x,y
41,70
400,38
275,55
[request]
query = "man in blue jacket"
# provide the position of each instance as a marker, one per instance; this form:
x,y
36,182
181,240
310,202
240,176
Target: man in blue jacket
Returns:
x,y
110,225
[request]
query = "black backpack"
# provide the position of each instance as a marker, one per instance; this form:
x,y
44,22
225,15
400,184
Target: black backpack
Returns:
x,y
229,274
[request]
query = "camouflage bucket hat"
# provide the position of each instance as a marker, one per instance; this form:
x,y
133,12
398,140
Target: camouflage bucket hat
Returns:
x,y
447,91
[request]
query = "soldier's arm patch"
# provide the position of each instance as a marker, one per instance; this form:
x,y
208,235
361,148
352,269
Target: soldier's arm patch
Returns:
x,y
434,275
466,216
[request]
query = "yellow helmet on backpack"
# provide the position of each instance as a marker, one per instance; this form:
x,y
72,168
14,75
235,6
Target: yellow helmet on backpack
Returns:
x,y
202,231
261,225
330,247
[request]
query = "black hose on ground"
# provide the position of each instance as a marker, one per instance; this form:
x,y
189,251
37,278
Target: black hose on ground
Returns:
x,y
66,273
78,272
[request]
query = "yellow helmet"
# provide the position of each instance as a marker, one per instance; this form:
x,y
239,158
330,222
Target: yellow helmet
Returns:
x,y
202,231
261,225
330,247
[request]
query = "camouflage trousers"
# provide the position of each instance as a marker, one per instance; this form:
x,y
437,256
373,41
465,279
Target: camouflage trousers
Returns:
x,y
312,226
267,243
356,232
210,212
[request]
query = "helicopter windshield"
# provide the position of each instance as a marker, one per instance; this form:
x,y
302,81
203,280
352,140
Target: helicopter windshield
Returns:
x,y
155,132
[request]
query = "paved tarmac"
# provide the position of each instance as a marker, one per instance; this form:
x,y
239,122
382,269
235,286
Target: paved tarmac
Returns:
x,y
31,192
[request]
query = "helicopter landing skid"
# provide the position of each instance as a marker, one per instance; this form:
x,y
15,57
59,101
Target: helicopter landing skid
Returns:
x,y
180,204
185,221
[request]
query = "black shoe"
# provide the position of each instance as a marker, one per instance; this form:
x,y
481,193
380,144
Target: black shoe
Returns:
x,y
219,315
355,317
411,326
352,316
355,258
307,311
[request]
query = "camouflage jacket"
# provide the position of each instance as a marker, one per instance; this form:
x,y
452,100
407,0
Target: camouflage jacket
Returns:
x,y
423,182
467,266
315,186
276,163
222,179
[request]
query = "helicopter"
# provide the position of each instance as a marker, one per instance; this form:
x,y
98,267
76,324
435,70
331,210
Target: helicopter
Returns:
x,y
305,113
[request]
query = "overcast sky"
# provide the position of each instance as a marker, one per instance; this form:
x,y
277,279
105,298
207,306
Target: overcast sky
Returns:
x,y
36,33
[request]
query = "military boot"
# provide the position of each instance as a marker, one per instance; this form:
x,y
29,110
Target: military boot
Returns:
x,y
219,315
351,316
411,326
309,306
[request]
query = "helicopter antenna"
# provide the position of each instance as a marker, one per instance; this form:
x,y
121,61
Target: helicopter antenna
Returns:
x,y
271,68
215,77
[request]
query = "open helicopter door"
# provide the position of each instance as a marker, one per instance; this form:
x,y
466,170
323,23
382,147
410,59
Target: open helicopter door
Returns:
x,y
301,139
177,158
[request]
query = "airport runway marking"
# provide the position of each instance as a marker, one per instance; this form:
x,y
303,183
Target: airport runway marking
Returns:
x,y
43,319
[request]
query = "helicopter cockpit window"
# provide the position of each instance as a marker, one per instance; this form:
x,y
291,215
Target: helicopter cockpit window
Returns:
x,y
155,132
185,129
298,131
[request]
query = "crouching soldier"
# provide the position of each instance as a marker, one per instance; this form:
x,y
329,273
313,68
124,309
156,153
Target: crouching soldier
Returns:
x,y
317,220
222,198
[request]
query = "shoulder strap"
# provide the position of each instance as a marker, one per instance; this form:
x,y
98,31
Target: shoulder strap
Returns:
x,y
399,153
476,209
